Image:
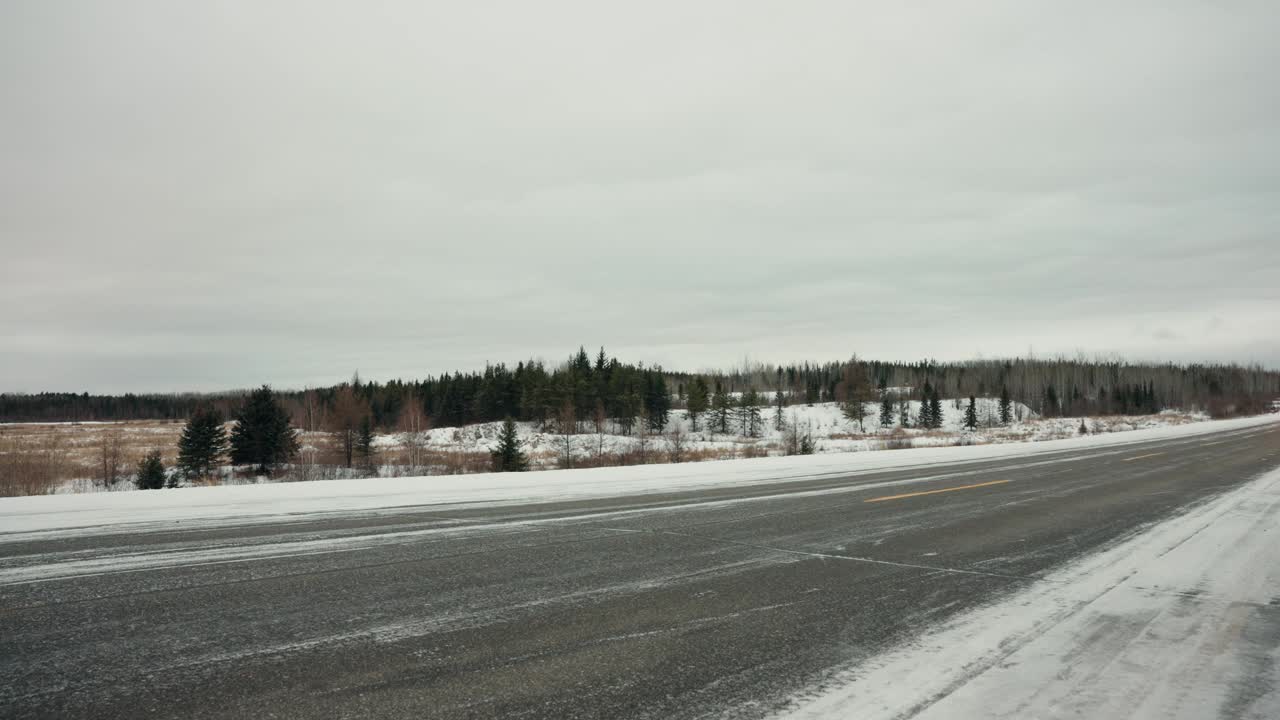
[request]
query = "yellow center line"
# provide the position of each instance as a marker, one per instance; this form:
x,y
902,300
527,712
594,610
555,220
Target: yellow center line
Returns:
x,y
1139,457
935,492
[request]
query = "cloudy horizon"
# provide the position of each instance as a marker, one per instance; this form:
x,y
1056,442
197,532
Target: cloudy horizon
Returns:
x,y
201,197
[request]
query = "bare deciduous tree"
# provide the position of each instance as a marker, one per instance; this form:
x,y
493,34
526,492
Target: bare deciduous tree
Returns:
x,y
643,437
413,425
110,458
566,428
344,420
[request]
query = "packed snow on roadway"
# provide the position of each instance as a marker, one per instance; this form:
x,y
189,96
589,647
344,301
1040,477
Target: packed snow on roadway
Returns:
x,y
1180,621
20,517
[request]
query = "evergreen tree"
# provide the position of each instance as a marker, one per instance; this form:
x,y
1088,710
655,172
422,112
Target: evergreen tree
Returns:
x,y
857,390
935,410
971,414
749,413
1050,400
509,455
629,407
807,446
202,444
720,408
904,411
364,447
886,411
262,435
1006,406
779,407
150,472
657,402
698,401
925,419
1084,429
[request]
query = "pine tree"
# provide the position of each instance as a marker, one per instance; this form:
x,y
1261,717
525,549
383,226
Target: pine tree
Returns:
x,y
262,435
509,455
971,414
697,403
1006,406
364,447
150,472
202,444
886,411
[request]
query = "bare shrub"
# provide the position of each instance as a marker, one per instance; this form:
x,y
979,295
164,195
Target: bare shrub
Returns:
x,y
676,443
110,458
898,440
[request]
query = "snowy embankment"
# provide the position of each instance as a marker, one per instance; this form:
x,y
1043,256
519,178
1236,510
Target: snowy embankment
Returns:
x,y
1179,621
99,512
825,423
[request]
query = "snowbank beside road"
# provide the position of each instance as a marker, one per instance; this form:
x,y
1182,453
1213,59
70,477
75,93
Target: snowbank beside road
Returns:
x,y
228,504
1180,621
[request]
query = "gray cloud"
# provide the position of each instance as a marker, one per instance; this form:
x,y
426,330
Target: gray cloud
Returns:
x,y
200,195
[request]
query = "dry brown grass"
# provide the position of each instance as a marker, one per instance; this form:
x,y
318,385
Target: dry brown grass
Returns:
x,y
36,458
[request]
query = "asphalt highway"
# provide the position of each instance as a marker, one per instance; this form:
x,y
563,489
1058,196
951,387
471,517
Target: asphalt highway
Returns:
x,y
715,603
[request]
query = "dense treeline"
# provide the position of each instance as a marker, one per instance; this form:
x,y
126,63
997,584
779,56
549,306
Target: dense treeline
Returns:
x,y
586,390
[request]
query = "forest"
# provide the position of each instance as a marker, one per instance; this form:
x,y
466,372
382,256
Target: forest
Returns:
x,y
588,389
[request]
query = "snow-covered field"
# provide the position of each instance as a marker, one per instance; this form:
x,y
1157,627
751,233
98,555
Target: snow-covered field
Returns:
x,y
100,512
1179,621
825,422
75,448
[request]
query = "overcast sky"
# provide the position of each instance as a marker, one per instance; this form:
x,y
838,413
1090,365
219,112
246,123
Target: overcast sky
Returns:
x,y
207,195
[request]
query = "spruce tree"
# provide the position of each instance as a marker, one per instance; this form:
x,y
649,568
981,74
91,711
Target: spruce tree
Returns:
x,y
749,412
150,472
657,402
262,436
904,411
698,401
508,456
720,408
364,447
886,411
925,419
971,414
935,410
202,444
1006,406
779,407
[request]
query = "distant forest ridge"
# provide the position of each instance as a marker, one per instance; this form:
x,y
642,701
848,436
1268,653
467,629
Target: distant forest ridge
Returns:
x,y
601,385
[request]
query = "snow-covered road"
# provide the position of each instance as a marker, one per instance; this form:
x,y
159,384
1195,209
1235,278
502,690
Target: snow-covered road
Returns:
x,y
1182,620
